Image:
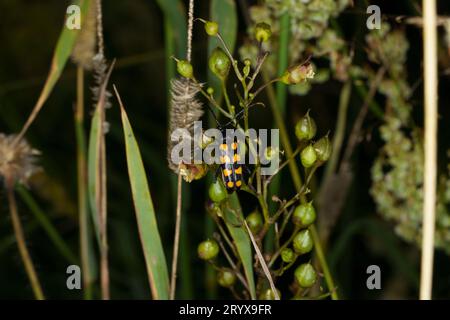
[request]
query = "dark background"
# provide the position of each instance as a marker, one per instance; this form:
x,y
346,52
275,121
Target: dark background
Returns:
x,y
134,36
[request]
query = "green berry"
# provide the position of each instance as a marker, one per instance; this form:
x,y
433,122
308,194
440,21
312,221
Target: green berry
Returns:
x,y
305,275
185,68
211,28
219,63
305,129
254,221
304,215
303,242
262,32
308,156
323,148
287,255
208,250
210,91
217,191
268,295
226,278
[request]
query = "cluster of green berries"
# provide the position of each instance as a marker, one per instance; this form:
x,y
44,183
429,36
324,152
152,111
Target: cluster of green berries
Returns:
x,y
314,153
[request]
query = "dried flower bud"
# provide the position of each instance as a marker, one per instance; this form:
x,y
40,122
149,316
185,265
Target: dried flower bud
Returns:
x,y
191,172
219,63
298,74
17,159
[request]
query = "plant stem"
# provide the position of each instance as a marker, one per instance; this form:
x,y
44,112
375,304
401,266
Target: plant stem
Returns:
x,y
20,237
47,225
430,167
344,100
176,240
298,185
82,186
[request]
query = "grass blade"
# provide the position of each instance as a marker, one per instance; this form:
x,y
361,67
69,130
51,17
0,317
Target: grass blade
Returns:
x,y
145,213
61,54
225,14
233,220
174,13
47,225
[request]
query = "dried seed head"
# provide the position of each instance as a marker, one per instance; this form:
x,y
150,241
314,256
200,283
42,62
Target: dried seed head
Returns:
x,y
84,49
17,159
185,110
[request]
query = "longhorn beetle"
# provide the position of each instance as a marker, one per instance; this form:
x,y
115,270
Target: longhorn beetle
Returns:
x,y
231,169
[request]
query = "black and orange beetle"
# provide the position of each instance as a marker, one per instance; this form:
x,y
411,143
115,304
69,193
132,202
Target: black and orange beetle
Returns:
x,y
229,158
229,164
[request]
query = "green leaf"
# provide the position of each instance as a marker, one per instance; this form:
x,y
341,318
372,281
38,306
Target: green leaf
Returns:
x,y
174,13
233,220
93,158
61,54
224,13
148,230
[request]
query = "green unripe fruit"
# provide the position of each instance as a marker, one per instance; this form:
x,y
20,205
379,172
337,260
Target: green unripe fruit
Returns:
x,y
287,255
269,295
217,191
254,221
211,28
308,156
210,91
262,32
219,63
185,68
305,275
208,250
304,215
226,278
303,242
305,129
323,148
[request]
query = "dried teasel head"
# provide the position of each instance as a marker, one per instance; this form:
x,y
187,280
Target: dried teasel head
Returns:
x,y
17,159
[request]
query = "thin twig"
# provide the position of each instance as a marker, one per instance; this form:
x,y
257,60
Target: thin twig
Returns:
x,y
20,238
230,261
262,262
356,130
430,167
176,242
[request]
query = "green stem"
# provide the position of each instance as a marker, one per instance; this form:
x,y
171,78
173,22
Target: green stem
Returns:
x,y
46,224
20,238
83,221
298,185
340,129
186,286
